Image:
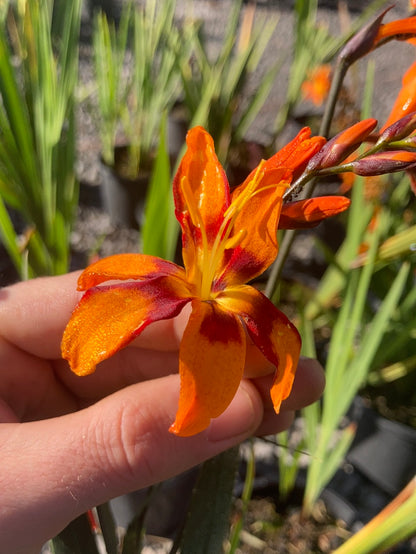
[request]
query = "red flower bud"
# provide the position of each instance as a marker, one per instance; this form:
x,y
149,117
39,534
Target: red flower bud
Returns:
x,y
308,213
385,162
341,146
399,129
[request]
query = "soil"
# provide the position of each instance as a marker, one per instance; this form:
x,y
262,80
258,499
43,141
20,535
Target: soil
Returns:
x,y
288,532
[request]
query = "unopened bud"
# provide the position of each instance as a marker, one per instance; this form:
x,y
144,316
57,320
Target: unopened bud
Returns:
x,y
308,213
399,129
342,145
401,29
384,162
362,42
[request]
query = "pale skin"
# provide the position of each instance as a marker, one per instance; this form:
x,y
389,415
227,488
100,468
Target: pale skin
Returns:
x,y
69,443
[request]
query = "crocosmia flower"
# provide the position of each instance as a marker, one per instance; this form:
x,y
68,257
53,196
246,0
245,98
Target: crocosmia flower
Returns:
x,y
228,239
316,87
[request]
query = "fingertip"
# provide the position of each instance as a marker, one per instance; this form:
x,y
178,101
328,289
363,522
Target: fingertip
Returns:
x,y
242,417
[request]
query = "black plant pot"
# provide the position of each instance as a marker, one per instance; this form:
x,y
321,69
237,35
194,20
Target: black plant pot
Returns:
x,y
380,463
124,198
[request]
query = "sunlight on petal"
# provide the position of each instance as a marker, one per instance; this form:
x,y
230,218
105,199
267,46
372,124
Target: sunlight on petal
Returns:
x,y
271,331
109,317
212,357
127,266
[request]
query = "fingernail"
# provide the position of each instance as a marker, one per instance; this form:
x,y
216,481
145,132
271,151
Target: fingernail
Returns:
x,y
239,420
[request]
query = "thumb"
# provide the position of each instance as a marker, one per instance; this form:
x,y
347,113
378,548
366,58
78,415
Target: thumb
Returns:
x,y
54,470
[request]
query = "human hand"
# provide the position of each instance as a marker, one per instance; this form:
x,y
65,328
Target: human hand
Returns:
x,y
69,443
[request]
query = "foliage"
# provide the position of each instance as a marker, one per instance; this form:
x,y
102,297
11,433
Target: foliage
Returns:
x,y
136,79
215,86
37,142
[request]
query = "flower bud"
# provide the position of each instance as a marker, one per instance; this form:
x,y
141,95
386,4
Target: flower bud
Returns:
x,y
384,162
401,29
362,42
399,129
341,146
308,213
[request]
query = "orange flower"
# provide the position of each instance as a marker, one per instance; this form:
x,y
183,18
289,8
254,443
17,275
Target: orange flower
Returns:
x,y
400,29
228,239
406,100
316,87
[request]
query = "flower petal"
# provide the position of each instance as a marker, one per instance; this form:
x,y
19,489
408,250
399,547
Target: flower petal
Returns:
x,y
316,87
406,99
211,365
257,220
271,331
107,318
127,266
257,223
308,213
296,154
200,190
400,29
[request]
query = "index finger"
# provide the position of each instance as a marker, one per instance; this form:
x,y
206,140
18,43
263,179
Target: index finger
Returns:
x,y
34,313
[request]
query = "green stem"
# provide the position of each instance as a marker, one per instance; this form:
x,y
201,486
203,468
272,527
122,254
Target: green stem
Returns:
x,y
277,267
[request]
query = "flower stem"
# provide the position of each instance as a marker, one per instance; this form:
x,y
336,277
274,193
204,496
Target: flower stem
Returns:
x,y
341,69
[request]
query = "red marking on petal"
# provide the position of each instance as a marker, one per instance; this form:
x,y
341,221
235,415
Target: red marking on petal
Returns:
x,y
127,266
107,318
271,331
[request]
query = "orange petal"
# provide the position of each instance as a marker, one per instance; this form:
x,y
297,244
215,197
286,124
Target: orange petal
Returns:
x,y
401,29
258,220
406,99
127,266
200,189
316,87
296,154
258,247
271,331
107,318
211,358
309,212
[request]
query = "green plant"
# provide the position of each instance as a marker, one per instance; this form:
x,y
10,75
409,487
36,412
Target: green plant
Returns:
x,y
215,86
313,46
109,50
160,229
137,79
37,138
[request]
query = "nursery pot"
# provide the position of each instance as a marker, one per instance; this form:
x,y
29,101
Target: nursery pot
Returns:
x,y
380,463
123,198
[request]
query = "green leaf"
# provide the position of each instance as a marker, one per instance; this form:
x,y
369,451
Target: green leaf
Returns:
x,y
208,521
76,538
158,203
